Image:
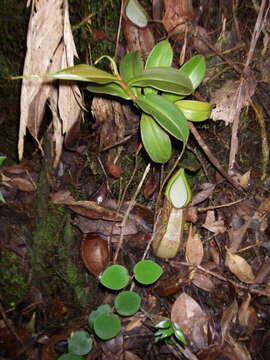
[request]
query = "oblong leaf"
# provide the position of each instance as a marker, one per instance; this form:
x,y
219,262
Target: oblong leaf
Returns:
x,y
131,65
160,55
165,79
136,13
109,89
195,69
83,72
195,110
156,141
166,114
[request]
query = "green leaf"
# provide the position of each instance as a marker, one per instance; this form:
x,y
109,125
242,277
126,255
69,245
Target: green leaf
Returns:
x,y
156,141
178,191
165,79
160,55
164,333
127,303
2,199
101,309
147,272
194,110
136,13
107,326
115,277
80,343
68,356
110,89
2,159
178,333
83,72
168,115
195,69
172,97
131,65
164,324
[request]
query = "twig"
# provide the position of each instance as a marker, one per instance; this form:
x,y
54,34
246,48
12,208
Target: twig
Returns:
x,y
119,28
130,206
211,157
220,206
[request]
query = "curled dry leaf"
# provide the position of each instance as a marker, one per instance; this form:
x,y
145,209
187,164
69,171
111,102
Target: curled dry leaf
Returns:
x,y
240,268
94,253
247,315
213,225
194,248
187,313
228,318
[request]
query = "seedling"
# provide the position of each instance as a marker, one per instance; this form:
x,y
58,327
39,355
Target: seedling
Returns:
x,y
167,330
104,322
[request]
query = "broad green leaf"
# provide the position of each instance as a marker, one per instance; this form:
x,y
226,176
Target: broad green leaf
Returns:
x,y
165,79
80,343
160,55
195,110
115,277
195,70
127,303
156,141
131,65
172,97
109,89
105,308
83,72
164,324
166,114
136,13
178,191
147,272
107,326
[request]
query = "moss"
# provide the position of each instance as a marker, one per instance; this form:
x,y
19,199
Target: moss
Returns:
x,y
13,280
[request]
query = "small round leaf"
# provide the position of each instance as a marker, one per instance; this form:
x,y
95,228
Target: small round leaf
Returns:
x,y
80,343
101,309
127,303
115,277
147,272
107,326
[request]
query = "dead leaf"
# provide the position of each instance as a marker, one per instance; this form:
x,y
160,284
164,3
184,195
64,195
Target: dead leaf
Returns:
x,y
194,248
186,312
202,281
247,315
240,268
207,190
150,186
113,170
228,318
245,179
213,225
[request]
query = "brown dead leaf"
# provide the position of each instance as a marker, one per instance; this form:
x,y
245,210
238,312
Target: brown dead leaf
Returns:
x,y
207,190
228,318
247,315
245,179
150,186
202,281
194,249
240,268
187,313
213,225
